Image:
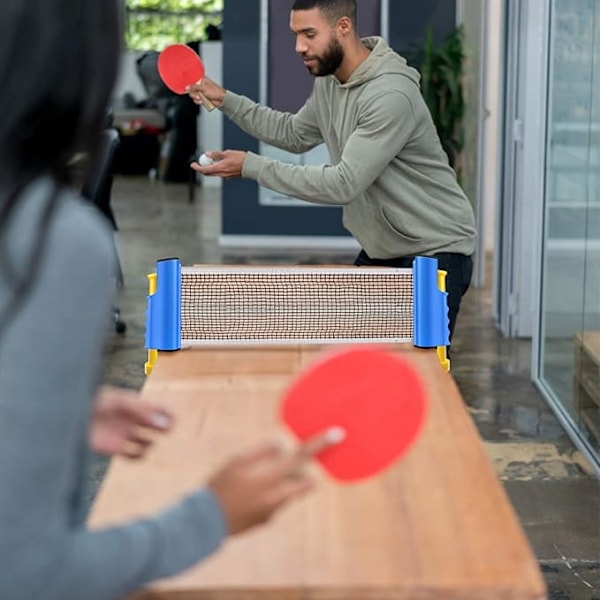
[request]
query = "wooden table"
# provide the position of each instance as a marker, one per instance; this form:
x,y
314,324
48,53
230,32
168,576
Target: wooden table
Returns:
x,y
436,525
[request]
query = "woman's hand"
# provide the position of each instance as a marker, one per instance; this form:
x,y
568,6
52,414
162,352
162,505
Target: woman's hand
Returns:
x,y
255,485
120,423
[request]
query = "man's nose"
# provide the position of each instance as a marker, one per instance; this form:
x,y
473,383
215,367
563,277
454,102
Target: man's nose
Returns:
x,y
301,46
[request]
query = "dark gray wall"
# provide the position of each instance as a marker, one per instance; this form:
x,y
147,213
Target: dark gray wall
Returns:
x,y
289,85
241,30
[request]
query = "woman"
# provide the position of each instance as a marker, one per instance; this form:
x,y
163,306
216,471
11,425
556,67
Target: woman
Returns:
x,y
58,61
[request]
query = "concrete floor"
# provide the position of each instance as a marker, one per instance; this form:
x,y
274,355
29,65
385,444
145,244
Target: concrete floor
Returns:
x,y
551,486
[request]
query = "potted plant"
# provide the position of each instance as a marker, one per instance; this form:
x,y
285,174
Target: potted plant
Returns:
x,y
442,77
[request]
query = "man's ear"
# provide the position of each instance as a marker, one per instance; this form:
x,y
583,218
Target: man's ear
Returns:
x,y
344,26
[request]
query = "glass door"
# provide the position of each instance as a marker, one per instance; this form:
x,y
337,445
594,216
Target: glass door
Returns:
x,y
569,361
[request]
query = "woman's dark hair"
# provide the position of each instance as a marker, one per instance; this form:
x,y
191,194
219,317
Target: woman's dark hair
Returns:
x,y
58,64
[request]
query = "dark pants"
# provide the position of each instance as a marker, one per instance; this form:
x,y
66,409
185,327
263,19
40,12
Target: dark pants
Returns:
x,y
458,267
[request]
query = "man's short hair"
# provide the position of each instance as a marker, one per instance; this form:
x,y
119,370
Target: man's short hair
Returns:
x,y
333,10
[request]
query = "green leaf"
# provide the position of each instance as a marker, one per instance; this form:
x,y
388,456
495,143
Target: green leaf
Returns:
x,y
442,73
154,24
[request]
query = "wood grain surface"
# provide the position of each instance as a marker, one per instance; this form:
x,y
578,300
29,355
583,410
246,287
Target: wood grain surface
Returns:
x,y
437,524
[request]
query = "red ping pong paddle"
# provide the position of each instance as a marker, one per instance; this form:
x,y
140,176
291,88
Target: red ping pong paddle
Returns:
x,y
179,67
376,397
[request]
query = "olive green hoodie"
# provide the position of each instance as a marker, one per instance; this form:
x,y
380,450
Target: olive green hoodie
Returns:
x,y
399,195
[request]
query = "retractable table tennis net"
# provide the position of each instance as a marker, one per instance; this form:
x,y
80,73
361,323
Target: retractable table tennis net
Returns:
x,y
269,305
201,305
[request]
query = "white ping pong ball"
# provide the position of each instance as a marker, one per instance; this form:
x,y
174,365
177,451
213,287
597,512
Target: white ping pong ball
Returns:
x,y
205,161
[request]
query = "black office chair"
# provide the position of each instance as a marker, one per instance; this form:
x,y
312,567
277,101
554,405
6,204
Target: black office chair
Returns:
x,y
97,189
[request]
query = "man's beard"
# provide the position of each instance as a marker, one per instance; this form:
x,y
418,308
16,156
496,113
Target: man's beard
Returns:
x,y
330,62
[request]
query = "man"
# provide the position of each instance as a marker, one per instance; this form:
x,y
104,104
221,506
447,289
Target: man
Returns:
x,y
399,195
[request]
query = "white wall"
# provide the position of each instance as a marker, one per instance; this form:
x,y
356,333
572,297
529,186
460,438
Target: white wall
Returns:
x,y
493,120
483,25
128,81
471,15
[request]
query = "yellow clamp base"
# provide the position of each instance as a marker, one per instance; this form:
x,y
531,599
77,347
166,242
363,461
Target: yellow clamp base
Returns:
x,y
152,354
441,350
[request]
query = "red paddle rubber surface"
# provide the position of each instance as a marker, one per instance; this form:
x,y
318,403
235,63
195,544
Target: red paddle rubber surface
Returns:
x,y
179,66
377,397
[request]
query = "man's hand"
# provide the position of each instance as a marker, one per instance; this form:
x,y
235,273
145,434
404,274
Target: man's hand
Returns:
x,y
209,89
119,420
227,165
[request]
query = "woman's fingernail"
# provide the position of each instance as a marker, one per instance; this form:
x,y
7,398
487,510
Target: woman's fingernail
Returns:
x,y
161,421
335,435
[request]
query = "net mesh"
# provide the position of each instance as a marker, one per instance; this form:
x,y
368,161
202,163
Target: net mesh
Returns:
x,y
298,304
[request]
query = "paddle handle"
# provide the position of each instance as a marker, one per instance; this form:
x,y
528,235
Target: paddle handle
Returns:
x,y
208,105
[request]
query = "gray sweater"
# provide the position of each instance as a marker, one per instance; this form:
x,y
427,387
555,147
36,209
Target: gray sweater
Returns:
x,y
50,362
399,195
